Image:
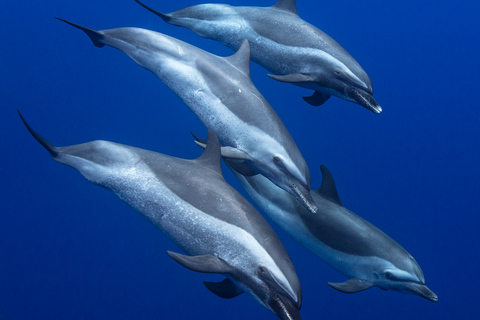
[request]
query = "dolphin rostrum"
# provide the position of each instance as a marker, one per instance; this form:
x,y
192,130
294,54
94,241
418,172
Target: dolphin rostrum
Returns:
x,y
344,240
286,45
221,94
200,212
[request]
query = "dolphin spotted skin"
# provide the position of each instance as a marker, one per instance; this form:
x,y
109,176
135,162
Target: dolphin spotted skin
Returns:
x,y
286,45
221,94
200,212
344,240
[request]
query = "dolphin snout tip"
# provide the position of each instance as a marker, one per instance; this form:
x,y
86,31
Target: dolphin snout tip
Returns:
x,y
377,109
433,297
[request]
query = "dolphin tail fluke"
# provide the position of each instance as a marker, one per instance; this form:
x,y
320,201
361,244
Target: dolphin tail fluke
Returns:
x,y
44,142
165,17
225,289
95,36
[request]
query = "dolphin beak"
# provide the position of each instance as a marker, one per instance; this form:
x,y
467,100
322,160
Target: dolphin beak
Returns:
x,y
364,99
420,290
302,194
285,309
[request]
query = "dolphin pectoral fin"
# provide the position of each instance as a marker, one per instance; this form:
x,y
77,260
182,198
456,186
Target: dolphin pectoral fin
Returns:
x,y
165,17
225,289
226,151
351,286
292,78
242,167
327,189
206,263
317,98
95,36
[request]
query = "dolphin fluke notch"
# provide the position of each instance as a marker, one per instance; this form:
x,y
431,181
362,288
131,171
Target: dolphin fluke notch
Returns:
x,y
44,142
165,17
206,263
95,36
225,289
351,286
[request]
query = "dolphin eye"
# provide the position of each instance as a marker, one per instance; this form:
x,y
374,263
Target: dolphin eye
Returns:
x,y
337,72
388,275
277,160
261,269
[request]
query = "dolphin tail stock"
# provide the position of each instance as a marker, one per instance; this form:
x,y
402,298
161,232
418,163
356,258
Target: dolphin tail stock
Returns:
x,y
95,36
44,142
165,17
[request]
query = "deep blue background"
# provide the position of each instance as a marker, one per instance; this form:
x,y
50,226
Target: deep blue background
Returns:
x,y
71,250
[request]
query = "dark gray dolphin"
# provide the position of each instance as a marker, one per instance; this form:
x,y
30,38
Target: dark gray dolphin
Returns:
x,y
291,48
200,212
221,94
345,241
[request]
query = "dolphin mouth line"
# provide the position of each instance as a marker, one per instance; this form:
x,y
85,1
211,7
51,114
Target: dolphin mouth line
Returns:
x,y
433,298
312,208
360,96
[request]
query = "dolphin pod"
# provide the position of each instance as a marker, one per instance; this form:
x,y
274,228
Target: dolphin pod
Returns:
x,y
221,94
344,240
189,200
284,44
185,199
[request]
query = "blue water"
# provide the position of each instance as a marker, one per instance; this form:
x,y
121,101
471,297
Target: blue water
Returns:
x,y
71,250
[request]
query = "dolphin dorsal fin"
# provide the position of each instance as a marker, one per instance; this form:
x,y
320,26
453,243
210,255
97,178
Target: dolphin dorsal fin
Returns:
x,y
211,157
286,5
328,189
241,58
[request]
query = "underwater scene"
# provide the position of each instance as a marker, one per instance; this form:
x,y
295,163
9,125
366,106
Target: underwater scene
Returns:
x,y
350,138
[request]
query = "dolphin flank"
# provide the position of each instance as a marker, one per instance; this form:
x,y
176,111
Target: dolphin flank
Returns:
x,y
191,203
292,49
344,240
219,91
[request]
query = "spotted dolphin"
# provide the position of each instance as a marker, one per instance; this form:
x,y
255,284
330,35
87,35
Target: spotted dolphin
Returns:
x,y
191,203
221,94
344,240
284,44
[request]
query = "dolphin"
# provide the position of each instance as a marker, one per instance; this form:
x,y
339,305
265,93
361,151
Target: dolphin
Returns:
x,y
221,94
191,203
284,44
344,240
